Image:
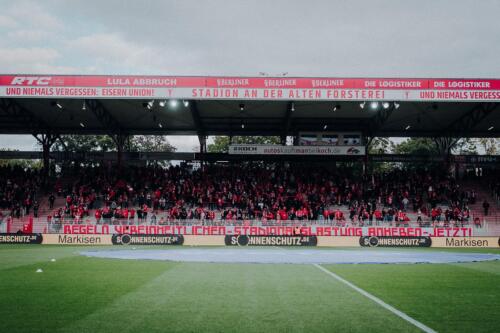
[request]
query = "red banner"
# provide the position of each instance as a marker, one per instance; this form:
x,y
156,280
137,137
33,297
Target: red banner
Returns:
x,y
314,230
248,88
247,82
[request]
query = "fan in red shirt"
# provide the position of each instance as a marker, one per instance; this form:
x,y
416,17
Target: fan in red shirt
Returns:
x,y
403,218
282,214
326,214
98,215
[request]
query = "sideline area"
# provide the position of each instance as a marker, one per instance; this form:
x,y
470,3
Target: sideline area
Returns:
x,y
159,295
273,255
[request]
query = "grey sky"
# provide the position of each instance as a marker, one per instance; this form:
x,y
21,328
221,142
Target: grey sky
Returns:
x,y
322,38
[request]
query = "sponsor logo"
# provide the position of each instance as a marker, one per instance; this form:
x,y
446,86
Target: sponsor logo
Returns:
x,y
79,239
232,82
327,83
296,150
250,240
466,242
280,83
389,241
126,239
21,238
31,80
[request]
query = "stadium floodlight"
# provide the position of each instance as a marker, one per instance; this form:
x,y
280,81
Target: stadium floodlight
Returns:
x,y
59,105
82,125
292,107
173,103
362,105
490,128
84,107
186,103
151,103
325,127
160,125
336,107
396,105
162,103
385,105
242,106
407,127
242,125
374,105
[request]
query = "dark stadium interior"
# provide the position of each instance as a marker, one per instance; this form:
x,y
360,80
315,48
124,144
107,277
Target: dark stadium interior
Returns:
x,y
225,117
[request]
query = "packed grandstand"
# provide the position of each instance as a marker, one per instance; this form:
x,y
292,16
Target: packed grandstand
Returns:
x,y
244,194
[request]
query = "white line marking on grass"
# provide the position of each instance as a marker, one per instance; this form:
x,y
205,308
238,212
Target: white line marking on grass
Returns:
x,y
378,301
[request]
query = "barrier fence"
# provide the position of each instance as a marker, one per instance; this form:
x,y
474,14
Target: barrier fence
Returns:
x,y
44,225
119,224
250,240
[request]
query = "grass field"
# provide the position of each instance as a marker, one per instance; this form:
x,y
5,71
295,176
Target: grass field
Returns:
x,y
81,294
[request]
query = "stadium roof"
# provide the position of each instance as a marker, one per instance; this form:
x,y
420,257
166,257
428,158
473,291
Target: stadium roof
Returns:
x,y
248,105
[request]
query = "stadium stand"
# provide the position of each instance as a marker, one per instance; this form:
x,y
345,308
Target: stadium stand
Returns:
x,y
263,194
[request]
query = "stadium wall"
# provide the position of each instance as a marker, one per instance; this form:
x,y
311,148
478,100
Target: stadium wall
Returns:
x,y
250,240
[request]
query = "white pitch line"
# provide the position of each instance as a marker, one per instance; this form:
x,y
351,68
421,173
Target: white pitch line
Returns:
x,y
378,301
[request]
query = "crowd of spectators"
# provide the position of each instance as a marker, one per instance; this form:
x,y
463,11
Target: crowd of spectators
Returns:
x,y
227,193
232,193
18,190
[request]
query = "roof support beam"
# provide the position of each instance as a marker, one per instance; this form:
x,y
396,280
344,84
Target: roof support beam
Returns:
x,y
41,130
15,110
461,126
104,116
377,122
465,123
115,129
46,141
200,130
380,119
287,121
113,126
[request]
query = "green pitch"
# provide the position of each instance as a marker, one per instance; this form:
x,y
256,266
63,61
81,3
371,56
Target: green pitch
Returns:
x,y
80,294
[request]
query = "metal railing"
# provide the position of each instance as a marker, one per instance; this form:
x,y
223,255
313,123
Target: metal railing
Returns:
x,y
56,225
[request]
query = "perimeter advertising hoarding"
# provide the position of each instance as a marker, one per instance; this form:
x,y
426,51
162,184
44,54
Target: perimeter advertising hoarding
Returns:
x,y
296,150
338,241
466,242
207,240
389,241
190,240
72,239
249,88
245,240
127,239
20,238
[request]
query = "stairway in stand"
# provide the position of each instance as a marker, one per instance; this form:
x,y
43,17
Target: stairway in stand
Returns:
x,y
483,193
